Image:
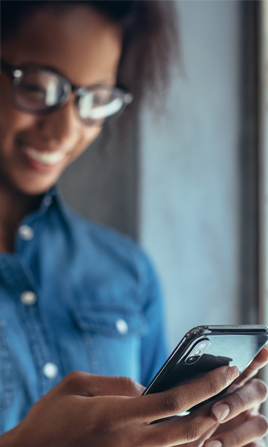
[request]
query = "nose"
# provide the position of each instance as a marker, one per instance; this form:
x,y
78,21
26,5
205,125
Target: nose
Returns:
x,y
60,125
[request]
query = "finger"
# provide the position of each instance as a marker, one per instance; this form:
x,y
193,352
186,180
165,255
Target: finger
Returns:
x,y
257,363
151,407
181,430
257,443
200,441
247,433
249,396
89,385
235,422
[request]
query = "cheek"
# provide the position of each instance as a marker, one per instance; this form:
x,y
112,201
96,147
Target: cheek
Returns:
x,y
7,110
11,119
12,124
5,91
89,135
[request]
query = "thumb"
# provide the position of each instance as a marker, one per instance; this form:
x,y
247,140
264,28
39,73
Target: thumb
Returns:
x,y
90,385
121,386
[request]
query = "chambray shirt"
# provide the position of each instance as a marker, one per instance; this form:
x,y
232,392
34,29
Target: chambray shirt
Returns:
x,y
73,296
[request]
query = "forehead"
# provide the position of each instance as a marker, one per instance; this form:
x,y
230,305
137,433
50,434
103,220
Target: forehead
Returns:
x,y
76,40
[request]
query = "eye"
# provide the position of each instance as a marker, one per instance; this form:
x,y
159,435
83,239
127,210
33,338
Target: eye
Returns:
x,y
32,93
32,88
101,99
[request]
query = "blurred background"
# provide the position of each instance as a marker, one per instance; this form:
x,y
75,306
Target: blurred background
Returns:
x,y
189,185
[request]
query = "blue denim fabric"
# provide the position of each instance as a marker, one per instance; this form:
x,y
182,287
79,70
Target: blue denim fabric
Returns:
x,y
87,280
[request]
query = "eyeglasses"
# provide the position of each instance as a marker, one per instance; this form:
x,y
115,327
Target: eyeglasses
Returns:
x,y
41,90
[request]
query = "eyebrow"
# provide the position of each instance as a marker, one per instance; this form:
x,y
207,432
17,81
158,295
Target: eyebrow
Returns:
x,y
30,65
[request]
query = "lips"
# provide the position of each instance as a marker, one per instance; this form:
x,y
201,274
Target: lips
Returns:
x,y
43,155
46,158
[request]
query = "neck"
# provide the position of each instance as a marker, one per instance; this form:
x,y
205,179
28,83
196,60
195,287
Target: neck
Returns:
x,y
14,207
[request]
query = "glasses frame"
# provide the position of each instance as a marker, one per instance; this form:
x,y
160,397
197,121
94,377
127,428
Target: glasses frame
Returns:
x,y
17,72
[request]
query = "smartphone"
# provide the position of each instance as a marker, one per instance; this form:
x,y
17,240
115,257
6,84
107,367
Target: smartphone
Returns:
x,y
205,348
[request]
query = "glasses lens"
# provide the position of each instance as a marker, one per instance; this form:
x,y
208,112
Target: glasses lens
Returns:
x,y
39,90
96,105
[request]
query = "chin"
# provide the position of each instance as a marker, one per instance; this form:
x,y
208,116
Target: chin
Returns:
x,y
32,183
33,186
34,190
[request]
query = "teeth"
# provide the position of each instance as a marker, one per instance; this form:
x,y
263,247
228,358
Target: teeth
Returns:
x,y
47,158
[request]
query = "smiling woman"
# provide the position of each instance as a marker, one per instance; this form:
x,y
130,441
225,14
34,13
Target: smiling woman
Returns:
x,y
80,303
35,150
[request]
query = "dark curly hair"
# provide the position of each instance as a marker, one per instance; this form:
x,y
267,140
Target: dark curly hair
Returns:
x,y
150,38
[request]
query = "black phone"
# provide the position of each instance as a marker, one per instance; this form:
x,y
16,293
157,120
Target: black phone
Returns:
x,y
205,348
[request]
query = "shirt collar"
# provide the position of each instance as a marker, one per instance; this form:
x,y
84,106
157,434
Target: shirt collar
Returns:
x,y
48,198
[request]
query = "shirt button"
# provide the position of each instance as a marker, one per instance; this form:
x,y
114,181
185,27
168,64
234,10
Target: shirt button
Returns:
x,y
28,298
50,370
26,232
121,326
47,200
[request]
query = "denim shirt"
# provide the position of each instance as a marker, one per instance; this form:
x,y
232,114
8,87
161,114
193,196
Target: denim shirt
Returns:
x,y
73,296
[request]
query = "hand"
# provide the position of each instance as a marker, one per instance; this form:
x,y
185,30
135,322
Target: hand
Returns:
x,y
237,419
248,426
257,363
75,413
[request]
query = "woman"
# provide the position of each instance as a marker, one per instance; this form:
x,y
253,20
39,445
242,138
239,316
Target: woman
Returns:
x,y
75,296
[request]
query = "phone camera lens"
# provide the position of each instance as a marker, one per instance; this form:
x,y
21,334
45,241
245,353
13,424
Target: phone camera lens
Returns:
x,y
192,359
203,345
196,352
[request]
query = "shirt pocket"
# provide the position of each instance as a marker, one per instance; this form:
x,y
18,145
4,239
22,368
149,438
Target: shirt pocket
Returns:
x,y
112,339
6,372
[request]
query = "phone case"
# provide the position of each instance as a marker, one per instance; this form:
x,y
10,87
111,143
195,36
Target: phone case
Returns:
x,y
205,348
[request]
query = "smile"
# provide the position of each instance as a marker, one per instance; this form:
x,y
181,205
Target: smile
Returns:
x,y
46,158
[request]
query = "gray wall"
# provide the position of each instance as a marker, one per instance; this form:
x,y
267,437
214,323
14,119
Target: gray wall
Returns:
x,y
102,183
190,175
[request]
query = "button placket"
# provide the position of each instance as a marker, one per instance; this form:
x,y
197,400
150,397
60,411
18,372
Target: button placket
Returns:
x,y
38,339
26,232
50,370
121,326
26,291
28,298
47,201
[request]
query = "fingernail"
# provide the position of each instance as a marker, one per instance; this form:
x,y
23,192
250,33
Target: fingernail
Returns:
x,y
213,443
220,412
233,373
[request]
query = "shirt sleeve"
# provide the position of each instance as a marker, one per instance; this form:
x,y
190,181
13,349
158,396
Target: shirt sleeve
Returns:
x,y
154,350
